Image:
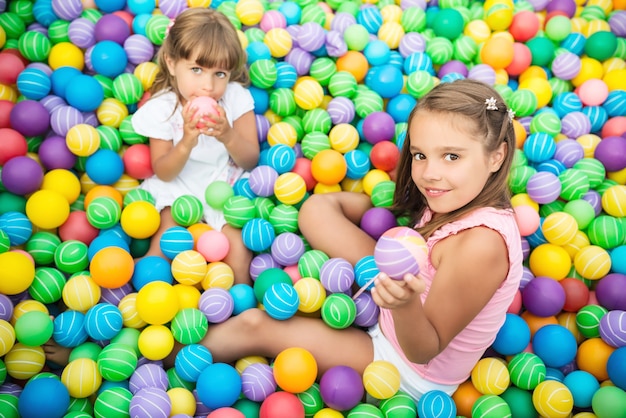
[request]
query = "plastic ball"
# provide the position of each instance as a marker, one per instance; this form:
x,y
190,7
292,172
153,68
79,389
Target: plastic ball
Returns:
x,y
490,376
152,402
157,303
338,311
555,345
112,267
290,188
341,388
191,360
281,405
112,399
21,175
140,219
381,379
487,405
33,328
103,321
436,403
65,54
219,385
81,377
148,375
552,398
257,381
216,304
218,274
17,274
295,369
609,151
108,58
189,325
117,362
47,209
311,294
400,403
258,234
400,251
47,391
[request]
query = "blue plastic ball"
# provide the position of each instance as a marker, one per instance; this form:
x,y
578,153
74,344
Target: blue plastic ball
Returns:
x,y
243,297
555,345
357,163
103,321
60,78
377,52
566,102
69,329
149,269
191,360
139,23
615,103
281,158
365,270
513,337
575,43
616,367
386,80
261,99
371,18
618,259
539,147
48,394
258,234
110,6
106,240
33,83
286,75
583,385
104,167
281,301
597,116
175,240
141,6
418,61
436,404
400,106
242,188
84,93
219,385
553,166
109,58
292,12
257,50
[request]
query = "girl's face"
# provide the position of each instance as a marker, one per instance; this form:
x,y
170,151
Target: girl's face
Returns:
x,y
193,80
449,167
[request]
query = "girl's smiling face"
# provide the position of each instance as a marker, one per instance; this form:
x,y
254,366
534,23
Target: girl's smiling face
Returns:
x,y
449,167
193,80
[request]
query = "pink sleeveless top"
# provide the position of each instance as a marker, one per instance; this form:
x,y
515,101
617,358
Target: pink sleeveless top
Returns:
x,y
455,363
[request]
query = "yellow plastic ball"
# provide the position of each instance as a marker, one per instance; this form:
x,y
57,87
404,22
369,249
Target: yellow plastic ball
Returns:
x,y
125,184
499,16
183,402
311,293
590,68
47,209
343,137
550,260
111,112
490,376
592,262
8,93
218,274
328,413
66,54
289,188
617,176
249,12
372,178
614,201
282,133
478,30
62,181
157,303
146,73
188,296
81,377
391,33
242,363
541,88
189,267
278,41
81,293
391,13
559,228
7,337
552,398
352,185
128,309
17,272
156,342
25,306
579,242
381,379
82,140
615,79
522,199
308,93
23,361
533,71
140,219
589,142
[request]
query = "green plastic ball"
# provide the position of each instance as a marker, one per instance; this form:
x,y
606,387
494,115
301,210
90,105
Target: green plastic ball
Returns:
x,y
282,101
34,46
582,211
284,218
136,195
127,88
322,69
112,403
33,328
8,405
175,381
117,362
606,231
365,410
110,138
520,401
488,406
189,326
588,320
311,400
47,286
217,193
317,120
413,19
548,122
594,169
419,83
103,212
400,405
527,370
71,256
88,349
518,178
263,207
311,263
187,210
314,142
356,37
248,408
558,28
342,84
155,28
609,402
382,194
448,23
338,311
575,184
523,102
601,45
263,73
41,246
542,50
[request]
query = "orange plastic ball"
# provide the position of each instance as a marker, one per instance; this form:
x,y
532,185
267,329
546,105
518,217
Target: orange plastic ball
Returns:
x,y
535,322
497,52
112,267
328,167
103,190
592,356
464,398
355,63
295,369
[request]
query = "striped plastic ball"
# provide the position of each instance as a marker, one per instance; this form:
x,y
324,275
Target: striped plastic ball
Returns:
x,y
337,275
191,360
152,402
566,65
311,262
238,210
552,398
436,404
34,46
281,301
575,124
575,184
526,370
284,218
341,110
289,188
148,375
34,83
138,49
216,304
103,321
491,406
257,382
187,210
399,251
338,311
189,326
82,32
112,400
117,362
287,248
613,328
47,286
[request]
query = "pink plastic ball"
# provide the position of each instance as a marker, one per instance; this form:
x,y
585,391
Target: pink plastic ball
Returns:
x,y
137,162
527,219
13,144
593,92
10,67
213,245
281,405
399,251
226,412
272,19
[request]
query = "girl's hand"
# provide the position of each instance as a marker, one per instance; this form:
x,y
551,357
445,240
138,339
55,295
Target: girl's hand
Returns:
x,y
389,293
216,126
191,132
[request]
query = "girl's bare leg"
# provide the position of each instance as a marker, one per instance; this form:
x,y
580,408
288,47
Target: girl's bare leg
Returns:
x,y
330,223
253,332
239,256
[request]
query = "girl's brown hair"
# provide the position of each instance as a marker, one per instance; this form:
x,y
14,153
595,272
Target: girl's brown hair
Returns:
x,y
207,36
463,100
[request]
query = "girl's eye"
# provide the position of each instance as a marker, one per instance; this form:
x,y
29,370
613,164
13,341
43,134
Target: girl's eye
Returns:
x,y
419,156
451,157
196,70
221,74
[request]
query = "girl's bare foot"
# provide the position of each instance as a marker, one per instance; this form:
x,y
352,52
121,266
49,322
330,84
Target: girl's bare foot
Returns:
x,y
56,353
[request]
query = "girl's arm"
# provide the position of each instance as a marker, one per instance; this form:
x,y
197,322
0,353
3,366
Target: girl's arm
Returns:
x,y
240,140
471,266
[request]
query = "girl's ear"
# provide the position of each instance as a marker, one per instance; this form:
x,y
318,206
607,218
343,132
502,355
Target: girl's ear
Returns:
x,y
497,157
169,62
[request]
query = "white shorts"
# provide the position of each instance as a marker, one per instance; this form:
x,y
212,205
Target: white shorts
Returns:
x,y
411,382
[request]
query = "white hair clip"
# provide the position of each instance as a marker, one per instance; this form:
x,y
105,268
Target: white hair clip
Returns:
x,y
511,114
491,103
169,26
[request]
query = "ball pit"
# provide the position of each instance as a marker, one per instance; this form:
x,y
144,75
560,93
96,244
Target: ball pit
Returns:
x,y
333,84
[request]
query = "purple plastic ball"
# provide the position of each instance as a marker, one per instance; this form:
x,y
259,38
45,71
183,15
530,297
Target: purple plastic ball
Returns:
x,y
410,43
52,102
575,124
82,32
146,376
6,308
617,23
67,9
30,118
543,296
453,66
216,304
262,127
341,110
54,153
366,310
300,59
377,220
482,72
543,187
172,8
337,275
595,199
138,49
115,295
613,328
257,382
63,118
311,36
342,21
611,152
566,65
378,126
610,291
262,179
341,388
287,248
150,402
22,175
335,44
566,6
569,152
111,27
262,262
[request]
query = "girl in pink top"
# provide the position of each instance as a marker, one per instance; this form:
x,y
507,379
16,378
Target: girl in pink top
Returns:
x,y
452,185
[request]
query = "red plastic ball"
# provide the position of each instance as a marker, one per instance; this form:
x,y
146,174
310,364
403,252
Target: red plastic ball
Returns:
x,y
77,227
576,294
524,26
385,155
13,144
10,67
303,168
5,113
226,412
522,58
281,405
137,162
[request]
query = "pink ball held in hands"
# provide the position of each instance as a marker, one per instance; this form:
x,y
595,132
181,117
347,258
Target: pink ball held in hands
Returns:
x,y
400,250
204,105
